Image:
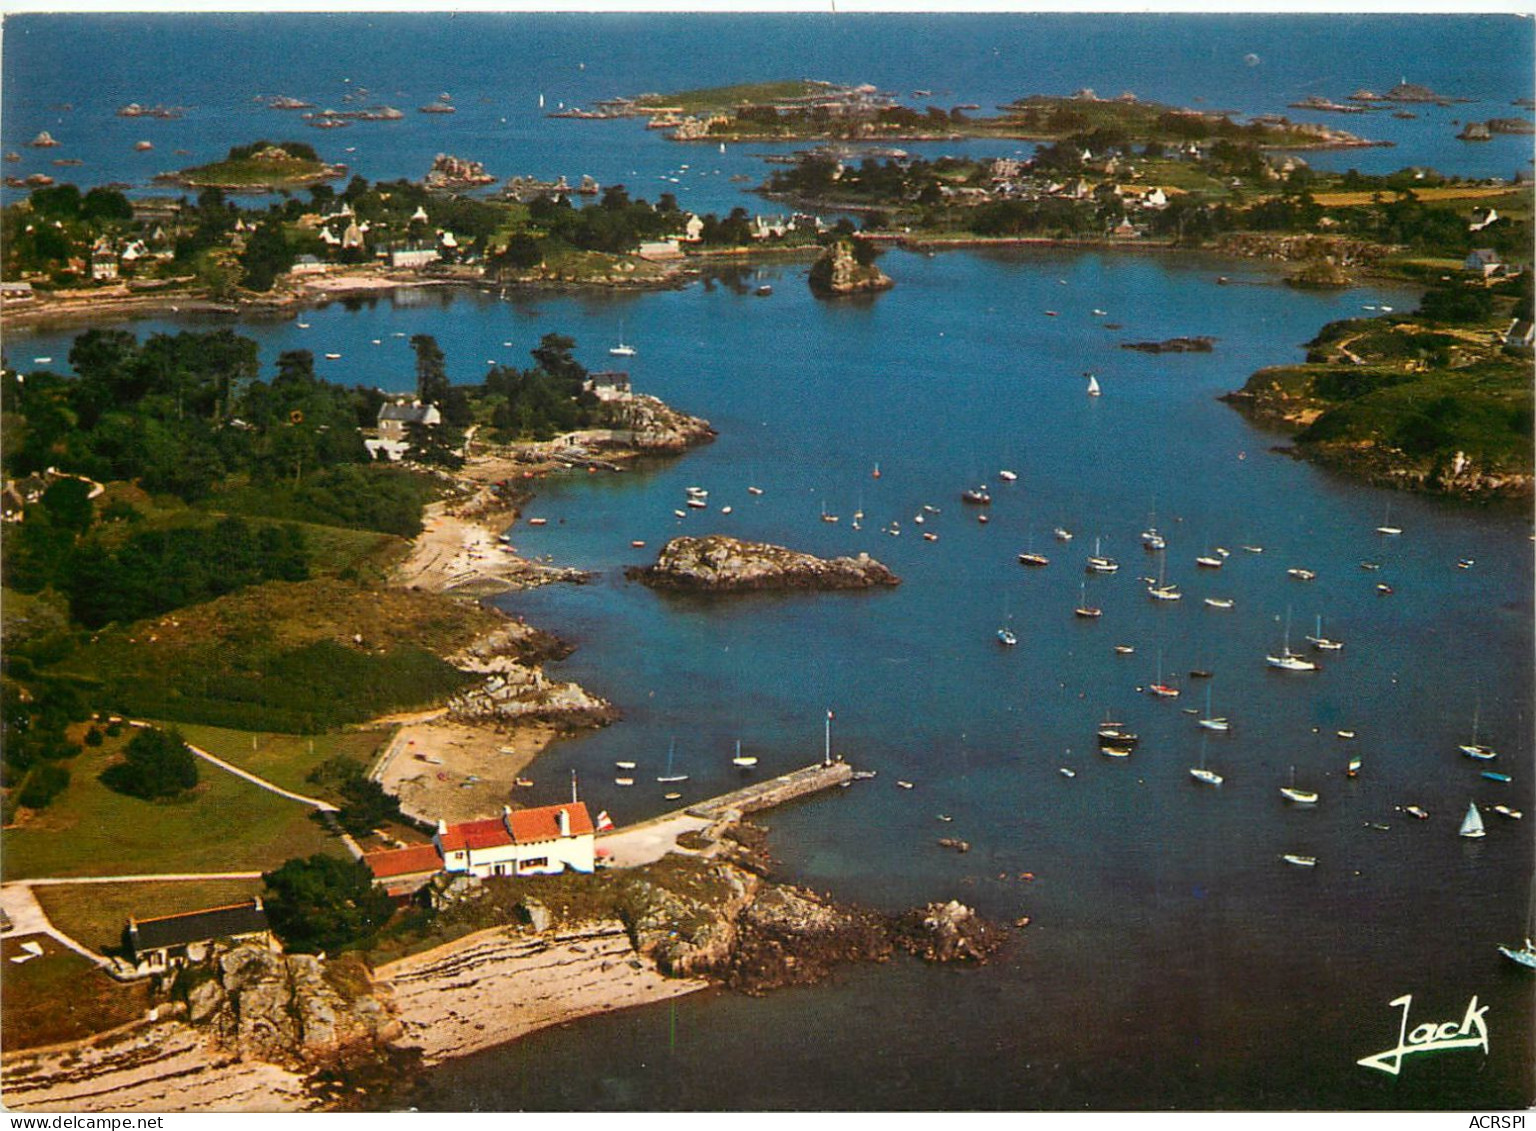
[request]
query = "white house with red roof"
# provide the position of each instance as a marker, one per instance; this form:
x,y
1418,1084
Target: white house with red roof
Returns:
x,y
542,841
521,842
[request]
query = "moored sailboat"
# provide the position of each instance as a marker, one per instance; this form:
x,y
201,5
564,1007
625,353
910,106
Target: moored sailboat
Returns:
x,y
1209,721
1288,660
1323,643
1476,749
669,776
1098,563
1299,796
743,761
1201,773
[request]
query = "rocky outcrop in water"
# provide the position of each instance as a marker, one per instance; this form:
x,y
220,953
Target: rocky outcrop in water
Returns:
x,y
1172,345
949,932
720,564
840,272
450,172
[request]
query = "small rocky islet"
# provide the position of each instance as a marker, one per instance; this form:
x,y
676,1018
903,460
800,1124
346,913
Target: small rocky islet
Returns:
x,y
717,563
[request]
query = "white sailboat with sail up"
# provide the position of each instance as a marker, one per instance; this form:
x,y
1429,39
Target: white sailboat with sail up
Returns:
x,y
1162,591
1472,823
1098,563
1093,386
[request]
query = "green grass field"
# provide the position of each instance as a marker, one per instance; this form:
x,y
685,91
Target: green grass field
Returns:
x,y
286,759
61,997
225,825
94,914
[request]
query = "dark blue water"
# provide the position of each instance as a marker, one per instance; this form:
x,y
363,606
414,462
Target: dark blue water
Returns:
x,y
495,67
1173,960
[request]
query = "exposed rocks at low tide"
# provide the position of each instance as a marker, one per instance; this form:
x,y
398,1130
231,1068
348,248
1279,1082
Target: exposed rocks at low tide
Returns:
x,y
720,564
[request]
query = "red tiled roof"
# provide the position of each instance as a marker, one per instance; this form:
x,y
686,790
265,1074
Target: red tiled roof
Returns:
x,y
489,833
543,823
403,861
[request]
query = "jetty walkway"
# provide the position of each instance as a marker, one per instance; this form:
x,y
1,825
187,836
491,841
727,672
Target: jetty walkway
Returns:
x,y
650,840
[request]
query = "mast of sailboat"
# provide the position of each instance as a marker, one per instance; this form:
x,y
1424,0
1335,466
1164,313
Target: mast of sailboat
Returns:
x,y
826,758
573,787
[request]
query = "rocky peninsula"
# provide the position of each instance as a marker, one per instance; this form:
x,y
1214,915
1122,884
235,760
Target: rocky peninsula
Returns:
x,y
720,564
249,1029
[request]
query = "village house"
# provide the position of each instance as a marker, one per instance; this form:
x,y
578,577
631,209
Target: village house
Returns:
x,y
1521,333
659,249
17,291
1485,262
404,871
393,418
103,262
608,384
413,256
156,945
307,265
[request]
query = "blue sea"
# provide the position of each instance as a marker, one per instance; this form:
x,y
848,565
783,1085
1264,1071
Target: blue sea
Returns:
x,y
1173,960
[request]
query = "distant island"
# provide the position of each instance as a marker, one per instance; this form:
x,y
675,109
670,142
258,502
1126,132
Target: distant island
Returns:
x,y
813,109
260,165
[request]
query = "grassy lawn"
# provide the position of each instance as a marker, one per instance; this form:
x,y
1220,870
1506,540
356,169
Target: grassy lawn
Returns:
x,y
61,997
286,759
94,914
298,657
225,825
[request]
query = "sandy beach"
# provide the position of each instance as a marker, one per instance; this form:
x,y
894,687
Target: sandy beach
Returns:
x,y
160,1066
497,985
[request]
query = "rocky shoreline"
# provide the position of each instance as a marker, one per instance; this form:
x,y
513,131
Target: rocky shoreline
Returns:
x,y
717,563
251,1030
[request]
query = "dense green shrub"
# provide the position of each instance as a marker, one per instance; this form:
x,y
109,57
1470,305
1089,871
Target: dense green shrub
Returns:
x,y
156,763
322,903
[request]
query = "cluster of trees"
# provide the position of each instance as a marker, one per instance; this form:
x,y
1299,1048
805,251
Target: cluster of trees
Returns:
x,y
614,224
180,413
323,903
543,401
365,804
108,577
